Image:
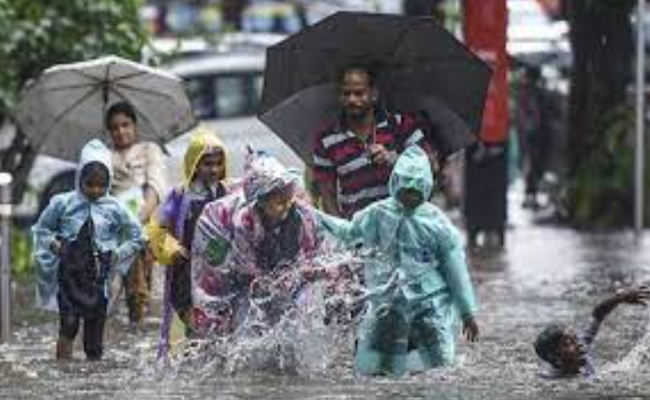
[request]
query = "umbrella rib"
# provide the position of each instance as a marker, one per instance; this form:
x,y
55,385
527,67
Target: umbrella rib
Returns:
x,y
143,90
129,76
399,40
85,75
72,87
59,117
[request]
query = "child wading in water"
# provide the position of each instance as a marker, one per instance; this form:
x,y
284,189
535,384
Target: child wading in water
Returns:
x,y
80,236
247,240
416,276
172,230
567,352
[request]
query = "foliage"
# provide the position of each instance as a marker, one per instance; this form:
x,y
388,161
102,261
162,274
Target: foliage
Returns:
x,y
38,34
600,193
21,254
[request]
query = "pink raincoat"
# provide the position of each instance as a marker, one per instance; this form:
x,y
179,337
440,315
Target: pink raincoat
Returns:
x,y
231,242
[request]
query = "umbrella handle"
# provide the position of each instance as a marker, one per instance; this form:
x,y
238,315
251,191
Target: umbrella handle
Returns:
x,y
105,93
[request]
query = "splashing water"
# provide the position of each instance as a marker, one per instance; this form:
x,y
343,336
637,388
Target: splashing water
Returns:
x,y
637,357
288,326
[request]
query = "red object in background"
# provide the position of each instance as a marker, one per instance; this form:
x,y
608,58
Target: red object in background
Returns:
x,y
485,34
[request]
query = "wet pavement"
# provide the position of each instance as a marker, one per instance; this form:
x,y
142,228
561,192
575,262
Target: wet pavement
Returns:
x,y
545,274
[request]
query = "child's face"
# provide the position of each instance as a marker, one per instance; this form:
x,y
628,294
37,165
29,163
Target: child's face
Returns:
x,y
277,206
410,198
211,168
570,353
93,185
122,130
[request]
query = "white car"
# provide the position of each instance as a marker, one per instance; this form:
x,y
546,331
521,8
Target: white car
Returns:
x,y
225,91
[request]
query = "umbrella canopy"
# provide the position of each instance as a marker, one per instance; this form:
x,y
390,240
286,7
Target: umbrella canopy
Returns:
x,y
64,107
419,67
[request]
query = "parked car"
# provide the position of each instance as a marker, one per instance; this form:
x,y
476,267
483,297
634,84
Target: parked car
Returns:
x,y
225,91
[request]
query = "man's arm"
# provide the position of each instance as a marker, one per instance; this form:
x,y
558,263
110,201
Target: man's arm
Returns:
x,y
329,200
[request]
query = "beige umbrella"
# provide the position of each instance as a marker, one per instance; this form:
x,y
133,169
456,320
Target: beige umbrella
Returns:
x,y
64,107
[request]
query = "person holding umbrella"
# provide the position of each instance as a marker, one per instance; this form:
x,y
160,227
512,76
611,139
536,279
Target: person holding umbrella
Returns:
x,y
364,92
139,182
354,157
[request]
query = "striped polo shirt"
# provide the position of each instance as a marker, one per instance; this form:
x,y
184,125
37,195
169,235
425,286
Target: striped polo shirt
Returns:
x,y
339,155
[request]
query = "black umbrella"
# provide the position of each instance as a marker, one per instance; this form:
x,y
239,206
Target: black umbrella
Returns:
x,y
419,67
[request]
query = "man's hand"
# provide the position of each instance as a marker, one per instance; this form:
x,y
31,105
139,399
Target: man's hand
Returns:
x,y
380,155
470,329
638,296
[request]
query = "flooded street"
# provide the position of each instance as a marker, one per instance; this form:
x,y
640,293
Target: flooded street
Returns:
x,y
545,274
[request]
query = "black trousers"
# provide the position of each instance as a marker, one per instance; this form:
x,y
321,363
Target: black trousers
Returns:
x,y
93,330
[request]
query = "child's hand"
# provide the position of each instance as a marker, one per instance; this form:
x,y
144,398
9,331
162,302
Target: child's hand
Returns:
x,y
470,329
638,296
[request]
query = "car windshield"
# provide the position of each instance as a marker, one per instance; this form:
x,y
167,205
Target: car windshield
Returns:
x,y
228,95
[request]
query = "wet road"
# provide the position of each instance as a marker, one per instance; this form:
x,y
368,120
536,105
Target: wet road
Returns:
x,y
546,274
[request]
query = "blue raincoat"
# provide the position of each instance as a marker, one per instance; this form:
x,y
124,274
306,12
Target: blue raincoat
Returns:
x,y
416,276
116,231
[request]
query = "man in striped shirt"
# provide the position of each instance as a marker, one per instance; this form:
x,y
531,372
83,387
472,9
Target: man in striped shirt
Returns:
x,y
353,159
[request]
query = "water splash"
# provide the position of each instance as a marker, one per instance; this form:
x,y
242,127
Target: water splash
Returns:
x,y
287,326
637,358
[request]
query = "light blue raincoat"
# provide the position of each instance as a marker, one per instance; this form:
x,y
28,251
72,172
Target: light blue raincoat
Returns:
x,y
116,230
416,276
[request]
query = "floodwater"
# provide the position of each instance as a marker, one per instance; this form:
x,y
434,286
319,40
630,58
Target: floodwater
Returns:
x,y
545,274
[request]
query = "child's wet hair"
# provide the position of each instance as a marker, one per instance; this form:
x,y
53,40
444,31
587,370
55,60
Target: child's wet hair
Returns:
x,y
92,168
548,341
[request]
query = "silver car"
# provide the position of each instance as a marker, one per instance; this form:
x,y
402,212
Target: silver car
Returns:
x,y
225,91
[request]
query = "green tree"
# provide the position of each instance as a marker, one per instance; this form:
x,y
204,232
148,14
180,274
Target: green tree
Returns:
x,y
37,34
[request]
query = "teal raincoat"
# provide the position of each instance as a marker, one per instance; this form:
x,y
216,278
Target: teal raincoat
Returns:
x,y
416,276
116,231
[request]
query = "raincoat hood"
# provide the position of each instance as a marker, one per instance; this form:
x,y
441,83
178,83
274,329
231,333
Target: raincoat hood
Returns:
x,y
204,142
264,174
412,171
95,151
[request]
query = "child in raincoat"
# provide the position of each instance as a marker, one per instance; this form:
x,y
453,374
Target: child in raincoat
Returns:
x,y
79,237
416,275
171,231
247,239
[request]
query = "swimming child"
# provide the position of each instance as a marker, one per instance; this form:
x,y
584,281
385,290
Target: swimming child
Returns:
x,y
567,352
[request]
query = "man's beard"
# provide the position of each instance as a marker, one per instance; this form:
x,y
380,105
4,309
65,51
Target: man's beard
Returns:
x,y
357,115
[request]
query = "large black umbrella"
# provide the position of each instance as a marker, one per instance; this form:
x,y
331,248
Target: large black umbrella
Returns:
x,y
419,66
